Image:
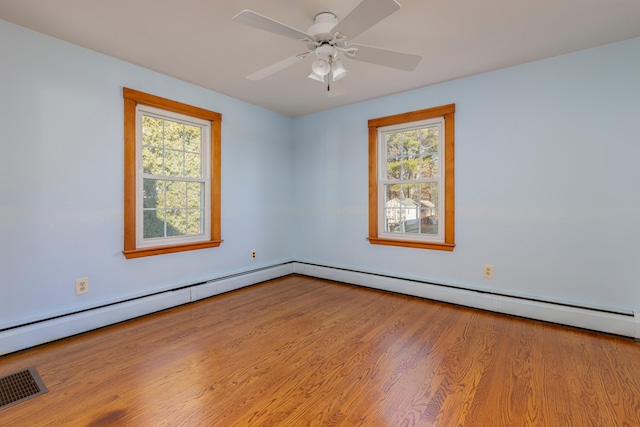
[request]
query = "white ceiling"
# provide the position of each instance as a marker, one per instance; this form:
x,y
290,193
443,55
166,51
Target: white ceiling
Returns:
x,y
196,40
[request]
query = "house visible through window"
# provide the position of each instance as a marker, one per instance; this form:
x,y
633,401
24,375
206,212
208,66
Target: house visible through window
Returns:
x,y
171,176
411,179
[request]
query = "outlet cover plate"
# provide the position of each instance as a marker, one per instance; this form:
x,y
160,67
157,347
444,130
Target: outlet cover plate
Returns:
x,y
82,286
488,271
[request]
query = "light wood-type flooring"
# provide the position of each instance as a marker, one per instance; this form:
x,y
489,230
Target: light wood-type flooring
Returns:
x,y
298,351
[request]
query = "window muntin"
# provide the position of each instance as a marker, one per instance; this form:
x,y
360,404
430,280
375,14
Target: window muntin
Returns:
x,y
411,179
411,184
173,183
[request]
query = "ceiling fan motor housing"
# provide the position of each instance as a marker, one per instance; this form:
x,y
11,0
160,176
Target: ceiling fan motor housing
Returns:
x,y
323,23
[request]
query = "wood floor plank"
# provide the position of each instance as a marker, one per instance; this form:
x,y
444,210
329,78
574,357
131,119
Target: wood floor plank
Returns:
x,y
299,351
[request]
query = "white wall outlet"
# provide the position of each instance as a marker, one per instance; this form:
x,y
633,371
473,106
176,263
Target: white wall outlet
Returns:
x,y
488,271
82,286
253,254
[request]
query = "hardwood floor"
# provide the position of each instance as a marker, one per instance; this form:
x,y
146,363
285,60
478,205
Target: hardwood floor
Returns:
x,y
299,351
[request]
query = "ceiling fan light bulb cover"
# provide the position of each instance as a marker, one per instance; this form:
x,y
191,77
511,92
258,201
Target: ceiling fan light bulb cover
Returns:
x,y
338,71
320,67
316,77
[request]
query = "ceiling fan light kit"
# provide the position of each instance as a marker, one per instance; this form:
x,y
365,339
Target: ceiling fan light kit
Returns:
x,y
316,77
320,67
327,38
327,62
338,71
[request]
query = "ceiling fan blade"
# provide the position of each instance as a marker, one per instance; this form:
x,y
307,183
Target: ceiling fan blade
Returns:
x,y
261,22
388,58
278,66
335,88
365,15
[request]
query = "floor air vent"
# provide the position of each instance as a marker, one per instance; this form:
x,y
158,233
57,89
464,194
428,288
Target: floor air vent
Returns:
x,y
20,386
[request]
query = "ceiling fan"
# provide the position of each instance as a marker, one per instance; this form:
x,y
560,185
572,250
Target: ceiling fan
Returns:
x,y
327,39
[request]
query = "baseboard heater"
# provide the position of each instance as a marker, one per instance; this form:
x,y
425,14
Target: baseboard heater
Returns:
x,y
592,318
38,332
23,336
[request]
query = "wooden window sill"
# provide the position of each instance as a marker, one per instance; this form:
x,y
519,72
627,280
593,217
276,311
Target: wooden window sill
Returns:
x,y
159,250
438,246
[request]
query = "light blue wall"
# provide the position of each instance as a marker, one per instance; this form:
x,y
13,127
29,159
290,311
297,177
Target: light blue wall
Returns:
x,y
547,181
61,186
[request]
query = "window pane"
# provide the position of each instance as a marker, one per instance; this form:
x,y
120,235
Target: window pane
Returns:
x,y
393,141
409,169
429,209
411,143
173,135
192,138
429,166
151,131
194,226
393,168
153,193
176,194
173,163
152,160
195,196
393,213
396,155
430,139
429,192
411,206
176,222
429,224
411,192
392,191
153,223
391,220
192,165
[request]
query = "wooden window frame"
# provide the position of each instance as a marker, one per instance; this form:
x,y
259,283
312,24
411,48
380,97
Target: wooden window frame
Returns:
x,y
447,112
131,99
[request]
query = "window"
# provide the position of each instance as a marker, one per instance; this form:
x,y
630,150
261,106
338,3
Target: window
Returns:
x,y
172,176
411,173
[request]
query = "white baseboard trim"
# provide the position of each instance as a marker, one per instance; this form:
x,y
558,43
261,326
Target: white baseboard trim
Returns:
x,y
238,281
563,314
22,337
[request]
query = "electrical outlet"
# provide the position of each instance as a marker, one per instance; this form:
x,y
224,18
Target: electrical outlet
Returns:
x,y
82,286
253,254
488,271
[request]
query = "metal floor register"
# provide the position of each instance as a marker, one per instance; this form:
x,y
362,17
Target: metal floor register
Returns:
x,y
20,386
